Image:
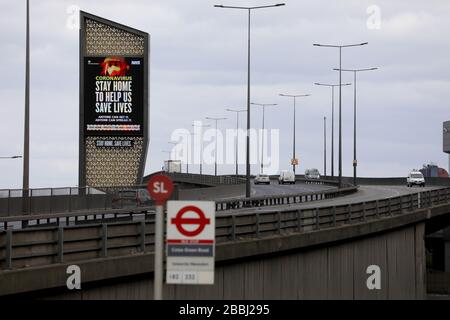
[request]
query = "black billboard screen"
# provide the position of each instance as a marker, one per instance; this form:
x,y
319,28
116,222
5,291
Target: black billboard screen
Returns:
x,y
113,96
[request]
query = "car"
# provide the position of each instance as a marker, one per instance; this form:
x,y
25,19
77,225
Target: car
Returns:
x,y
262,179
127,198
312,174
415,177
286,177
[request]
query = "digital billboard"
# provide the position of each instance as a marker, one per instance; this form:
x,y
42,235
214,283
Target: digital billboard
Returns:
x,y
114,103
113,96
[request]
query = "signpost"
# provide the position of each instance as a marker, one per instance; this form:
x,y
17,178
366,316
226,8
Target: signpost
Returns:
x,y
160,188
190,242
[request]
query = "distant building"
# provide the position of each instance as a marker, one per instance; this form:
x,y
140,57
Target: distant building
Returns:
x,y
446,140
172,166
442,173
432,170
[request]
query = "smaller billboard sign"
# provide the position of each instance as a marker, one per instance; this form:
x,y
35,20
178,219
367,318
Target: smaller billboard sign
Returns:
x,y
190,244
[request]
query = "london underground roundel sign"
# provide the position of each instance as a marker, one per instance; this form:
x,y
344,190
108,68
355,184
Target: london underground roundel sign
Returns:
x,y
199,222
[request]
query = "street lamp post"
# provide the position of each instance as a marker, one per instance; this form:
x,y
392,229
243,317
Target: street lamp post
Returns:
x,y
26,137
325,146
332,119
293,131
249,9
26,146
237,136
216,120
340,98
263,105
201,144
355,162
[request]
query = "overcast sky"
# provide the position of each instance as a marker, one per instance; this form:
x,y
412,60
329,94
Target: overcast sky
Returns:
x,y
198,68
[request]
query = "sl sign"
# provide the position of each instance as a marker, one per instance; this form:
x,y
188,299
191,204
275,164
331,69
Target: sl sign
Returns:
x,y
190,242
160,188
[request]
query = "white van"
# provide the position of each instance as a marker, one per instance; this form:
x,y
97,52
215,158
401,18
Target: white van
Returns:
x,y
415,177
286,177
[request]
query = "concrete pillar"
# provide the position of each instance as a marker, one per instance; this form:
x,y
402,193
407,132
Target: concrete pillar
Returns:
x,y
447,249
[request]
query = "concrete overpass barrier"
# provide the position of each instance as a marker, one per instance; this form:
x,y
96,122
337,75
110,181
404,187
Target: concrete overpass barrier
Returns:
x,y
315,253
44,246
397,181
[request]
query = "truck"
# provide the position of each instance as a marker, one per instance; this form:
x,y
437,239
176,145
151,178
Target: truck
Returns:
x,y
286,177
415,177
172,166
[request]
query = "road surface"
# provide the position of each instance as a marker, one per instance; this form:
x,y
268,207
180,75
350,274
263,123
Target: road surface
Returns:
x,y
275,189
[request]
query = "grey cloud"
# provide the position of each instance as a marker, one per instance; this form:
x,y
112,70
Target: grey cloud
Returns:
x,y
198,68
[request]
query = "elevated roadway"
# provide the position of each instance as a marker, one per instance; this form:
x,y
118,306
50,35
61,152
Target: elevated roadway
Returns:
x,y
276,251
319,253
365,193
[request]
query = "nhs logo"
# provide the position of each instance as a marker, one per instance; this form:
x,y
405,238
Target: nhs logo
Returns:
x,y
136,63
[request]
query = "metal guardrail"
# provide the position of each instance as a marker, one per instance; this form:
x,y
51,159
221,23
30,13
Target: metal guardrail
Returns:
x,y
74,217
221,206
15,202
44,246
240,203
203,179
54,201
67,217
15,193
